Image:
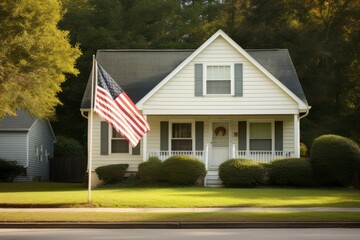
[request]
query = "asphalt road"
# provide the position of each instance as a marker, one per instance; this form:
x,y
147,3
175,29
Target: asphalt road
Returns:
x,y
177,234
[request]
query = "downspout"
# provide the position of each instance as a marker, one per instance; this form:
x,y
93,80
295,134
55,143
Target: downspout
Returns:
x,y
83,114
307,113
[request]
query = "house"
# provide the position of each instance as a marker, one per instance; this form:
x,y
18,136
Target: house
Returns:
x,y
215,102
30,142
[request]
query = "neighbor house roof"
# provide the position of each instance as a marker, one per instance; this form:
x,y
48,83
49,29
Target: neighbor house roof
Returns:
x,y
139,71
22,122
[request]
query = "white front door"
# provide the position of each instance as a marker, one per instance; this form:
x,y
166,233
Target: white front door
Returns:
x,y
220,144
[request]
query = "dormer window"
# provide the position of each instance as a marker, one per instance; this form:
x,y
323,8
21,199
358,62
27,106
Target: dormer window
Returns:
x,y
218,79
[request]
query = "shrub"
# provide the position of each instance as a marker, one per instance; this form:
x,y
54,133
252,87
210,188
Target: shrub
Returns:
x,y
149,172
68,147
182,170
112,173
335,159
292,172
241,173
303,150
9,170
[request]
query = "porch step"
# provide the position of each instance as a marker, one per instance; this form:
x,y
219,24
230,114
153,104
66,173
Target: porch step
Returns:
x,y
213,180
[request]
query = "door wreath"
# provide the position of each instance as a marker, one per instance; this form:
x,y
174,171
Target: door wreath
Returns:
x,y
218,130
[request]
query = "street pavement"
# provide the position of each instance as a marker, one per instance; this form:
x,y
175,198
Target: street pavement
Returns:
x,y
180,234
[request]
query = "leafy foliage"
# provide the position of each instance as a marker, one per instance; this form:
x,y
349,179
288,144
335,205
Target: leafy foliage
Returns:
x,y
335,159
241,173
112,173
292,172
182,170
68,147
34,56
9,170
149,172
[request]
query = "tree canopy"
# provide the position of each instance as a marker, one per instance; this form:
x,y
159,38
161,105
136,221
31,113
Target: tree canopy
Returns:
x,y
323,38
35,55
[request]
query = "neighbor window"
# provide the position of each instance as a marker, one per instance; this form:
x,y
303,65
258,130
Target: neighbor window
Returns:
x,y
260,136
218,79
181,138
118,143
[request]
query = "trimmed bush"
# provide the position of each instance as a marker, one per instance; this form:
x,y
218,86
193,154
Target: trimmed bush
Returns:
x,y
68,147
112,173
291,172
149,172
9,170
303,150
241,173
182,170
335,159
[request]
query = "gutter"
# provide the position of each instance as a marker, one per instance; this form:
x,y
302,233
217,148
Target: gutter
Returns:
x,y
307,113
83,113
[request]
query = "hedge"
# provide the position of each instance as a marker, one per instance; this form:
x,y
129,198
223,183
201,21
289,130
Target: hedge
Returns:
x,y
182,170
112,173
149,172
9,170
335,159
241,173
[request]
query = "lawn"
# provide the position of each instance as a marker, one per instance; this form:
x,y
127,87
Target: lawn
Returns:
x,y
73,195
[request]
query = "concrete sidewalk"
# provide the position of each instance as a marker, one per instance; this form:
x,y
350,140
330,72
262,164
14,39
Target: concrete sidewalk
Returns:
x,y
184,210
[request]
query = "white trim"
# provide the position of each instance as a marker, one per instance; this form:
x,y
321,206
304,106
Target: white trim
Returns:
x,y
302,105
296,136
144,142
211,121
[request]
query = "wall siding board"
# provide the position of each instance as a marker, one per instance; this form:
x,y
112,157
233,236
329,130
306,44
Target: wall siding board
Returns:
x,y
13,146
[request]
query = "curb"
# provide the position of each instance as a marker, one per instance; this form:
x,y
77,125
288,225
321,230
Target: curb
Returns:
x,y
180,225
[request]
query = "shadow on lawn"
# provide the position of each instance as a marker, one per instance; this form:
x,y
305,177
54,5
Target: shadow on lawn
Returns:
x,y
49,205
40,187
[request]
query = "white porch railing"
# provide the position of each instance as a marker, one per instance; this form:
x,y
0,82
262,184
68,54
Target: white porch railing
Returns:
x,y
163,155
263,156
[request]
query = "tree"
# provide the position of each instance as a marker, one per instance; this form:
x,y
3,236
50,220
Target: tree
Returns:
x,y
34,56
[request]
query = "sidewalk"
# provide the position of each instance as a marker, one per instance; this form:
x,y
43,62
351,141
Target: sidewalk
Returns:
x,y
184,210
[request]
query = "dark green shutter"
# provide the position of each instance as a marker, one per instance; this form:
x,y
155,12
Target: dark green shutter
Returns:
x,y
164,136
198,79
199,136
279,135
242,135
136,150
104,142
238,79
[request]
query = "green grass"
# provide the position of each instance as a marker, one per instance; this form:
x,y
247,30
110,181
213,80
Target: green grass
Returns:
x,y
63,195
178,217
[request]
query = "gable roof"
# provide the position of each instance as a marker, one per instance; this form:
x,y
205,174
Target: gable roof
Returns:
x,y
141,72
22,122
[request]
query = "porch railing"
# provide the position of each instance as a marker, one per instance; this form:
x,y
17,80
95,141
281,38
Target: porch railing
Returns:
x,y
264,156
163,155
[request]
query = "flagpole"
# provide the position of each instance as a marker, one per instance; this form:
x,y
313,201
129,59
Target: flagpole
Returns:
x,y
93,85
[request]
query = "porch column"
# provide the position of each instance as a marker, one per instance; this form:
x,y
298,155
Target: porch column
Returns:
x,y
296,136
145,143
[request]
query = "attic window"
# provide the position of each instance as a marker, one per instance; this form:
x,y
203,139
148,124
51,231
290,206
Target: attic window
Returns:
x,y
218,79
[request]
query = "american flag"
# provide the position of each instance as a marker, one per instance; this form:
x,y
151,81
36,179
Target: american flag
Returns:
x,y
114,106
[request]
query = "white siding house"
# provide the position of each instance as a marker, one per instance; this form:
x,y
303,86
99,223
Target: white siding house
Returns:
x,y
29,142
216,102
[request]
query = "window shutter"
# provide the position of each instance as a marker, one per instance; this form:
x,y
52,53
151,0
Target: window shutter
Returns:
x,y
242,135
164,136
238,75
136,150
104,141
198,79
199,136
279,135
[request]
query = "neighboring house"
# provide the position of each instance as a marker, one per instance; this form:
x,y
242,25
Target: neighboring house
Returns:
x,y
30,142
216,102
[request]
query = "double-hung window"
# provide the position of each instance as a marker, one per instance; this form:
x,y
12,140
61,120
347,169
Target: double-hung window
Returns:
x,y
118,143
261,136
181,137
218,79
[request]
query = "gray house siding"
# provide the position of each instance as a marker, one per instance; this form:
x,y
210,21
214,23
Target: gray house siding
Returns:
x,y
13,146
40,135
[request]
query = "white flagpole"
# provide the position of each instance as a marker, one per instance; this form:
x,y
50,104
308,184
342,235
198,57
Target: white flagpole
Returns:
x,y
93,86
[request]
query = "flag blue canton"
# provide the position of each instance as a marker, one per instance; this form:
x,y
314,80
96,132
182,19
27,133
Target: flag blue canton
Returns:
x,y
108,83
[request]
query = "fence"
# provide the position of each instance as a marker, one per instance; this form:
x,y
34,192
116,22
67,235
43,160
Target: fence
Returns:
x,y
68,169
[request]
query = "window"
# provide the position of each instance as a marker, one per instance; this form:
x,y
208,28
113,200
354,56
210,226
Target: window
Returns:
x,y
181,138
118,143
218,79
260,136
